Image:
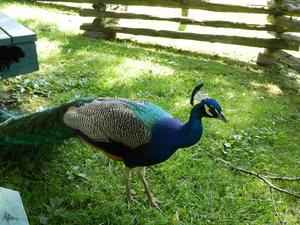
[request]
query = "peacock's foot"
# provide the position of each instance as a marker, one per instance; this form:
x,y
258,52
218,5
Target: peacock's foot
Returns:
x,y
154,202
131,197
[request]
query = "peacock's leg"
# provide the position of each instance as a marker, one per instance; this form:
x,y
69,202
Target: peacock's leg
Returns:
x,y
152,200
128,183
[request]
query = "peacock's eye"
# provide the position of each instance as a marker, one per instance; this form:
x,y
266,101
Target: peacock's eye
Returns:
x,y
211,111
214,112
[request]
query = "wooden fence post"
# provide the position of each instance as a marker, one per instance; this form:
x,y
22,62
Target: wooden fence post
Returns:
x,y
100,22
273,56
265,59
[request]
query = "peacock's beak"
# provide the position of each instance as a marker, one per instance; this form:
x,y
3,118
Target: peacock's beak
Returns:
x,y
222,117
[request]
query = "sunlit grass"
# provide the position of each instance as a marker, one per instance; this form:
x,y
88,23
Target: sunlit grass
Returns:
x,y
75,185
271,88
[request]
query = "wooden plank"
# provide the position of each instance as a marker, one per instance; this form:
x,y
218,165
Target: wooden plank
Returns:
x,y
16,31
182,20
246,41
190,4
265,60
196,4
292,5
292,24
289,37
286,59
4,38
11,208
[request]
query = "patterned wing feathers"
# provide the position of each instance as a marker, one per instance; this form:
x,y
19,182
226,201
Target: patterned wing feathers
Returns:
x,y
106,120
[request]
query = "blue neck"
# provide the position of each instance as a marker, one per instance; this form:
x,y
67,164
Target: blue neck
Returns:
x,y
177,134
190,133
169,134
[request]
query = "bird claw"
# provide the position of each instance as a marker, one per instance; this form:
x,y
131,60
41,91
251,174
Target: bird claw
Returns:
x,y
131,200
154,202
131,197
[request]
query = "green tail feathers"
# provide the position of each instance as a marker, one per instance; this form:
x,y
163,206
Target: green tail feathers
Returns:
x,y
19,134
5,114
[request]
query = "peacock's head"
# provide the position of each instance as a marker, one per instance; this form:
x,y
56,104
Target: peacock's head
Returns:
x,y
206,107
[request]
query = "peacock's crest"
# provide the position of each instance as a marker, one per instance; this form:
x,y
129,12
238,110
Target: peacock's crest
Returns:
x,y
198,94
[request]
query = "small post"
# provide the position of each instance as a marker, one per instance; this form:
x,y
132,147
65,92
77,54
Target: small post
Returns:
x,y
100,22
184,12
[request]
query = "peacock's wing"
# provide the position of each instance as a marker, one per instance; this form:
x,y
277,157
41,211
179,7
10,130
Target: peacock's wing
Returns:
x,y
124,121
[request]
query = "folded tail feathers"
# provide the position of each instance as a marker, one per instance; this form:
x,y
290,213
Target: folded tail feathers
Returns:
x,y
5,113
43,128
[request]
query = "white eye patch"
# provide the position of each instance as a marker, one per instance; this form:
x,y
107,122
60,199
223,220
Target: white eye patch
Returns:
x,y
207,110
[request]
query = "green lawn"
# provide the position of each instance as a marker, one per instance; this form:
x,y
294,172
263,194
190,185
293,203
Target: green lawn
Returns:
x,y
74,185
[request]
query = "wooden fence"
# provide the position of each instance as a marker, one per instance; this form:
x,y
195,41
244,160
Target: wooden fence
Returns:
x,y
280,18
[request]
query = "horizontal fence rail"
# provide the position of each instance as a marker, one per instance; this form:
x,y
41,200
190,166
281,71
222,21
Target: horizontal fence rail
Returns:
x,y
188,21
286,59
247,41
291,24
197,4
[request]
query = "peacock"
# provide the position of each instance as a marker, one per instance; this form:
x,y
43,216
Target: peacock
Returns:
x,y
136,132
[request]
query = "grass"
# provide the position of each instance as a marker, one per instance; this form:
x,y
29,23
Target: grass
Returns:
x,y
75,185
